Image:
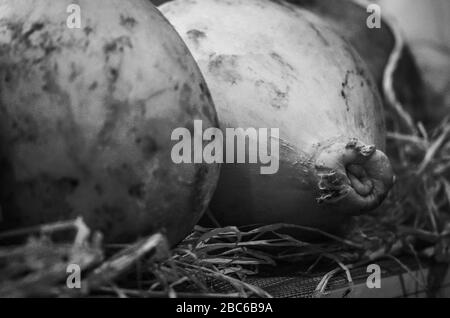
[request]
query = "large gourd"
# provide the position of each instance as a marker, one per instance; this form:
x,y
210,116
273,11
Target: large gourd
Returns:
x,y
86,116
273,65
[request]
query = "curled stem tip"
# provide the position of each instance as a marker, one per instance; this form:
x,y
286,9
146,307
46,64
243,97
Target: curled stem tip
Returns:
x,y
352,176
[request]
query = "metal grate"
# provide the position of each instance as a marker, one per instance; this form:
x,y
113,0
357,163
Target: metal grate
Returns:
x,y
294,284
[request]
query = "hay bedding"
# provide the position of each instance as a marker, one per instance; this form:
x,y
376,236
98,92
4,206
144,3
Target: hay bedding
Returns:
x,y
231,262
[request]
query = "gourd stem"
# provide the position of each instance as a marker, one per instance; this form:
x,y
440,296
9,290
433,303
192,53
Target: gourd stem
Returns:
x,y
352,177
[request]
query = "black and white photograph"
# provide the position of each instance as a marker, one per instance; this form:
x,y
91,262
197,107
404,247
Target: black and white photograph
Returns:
x,y
225,154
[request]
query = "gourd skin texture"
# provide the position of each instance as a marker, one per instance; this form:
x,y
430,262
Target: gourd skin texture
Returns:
x,y
272,65
86,117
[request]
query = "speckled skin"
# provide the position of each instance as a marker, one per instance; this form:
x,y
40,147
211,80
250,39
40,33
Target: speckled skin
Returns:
x,y
272,65
86,117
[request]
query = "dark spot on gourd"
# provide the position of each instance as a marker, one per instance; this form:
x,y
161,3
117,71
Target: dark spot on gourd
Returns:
x,y
225,67
345,82
44,40
203,88
115,113
137,191
259,83
128,22
280,100
195,35
319,34
345,87
93,86
157,93
113,74
361,72
281,61
87,30
148,145
74,72
117,45
35,27
110,47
